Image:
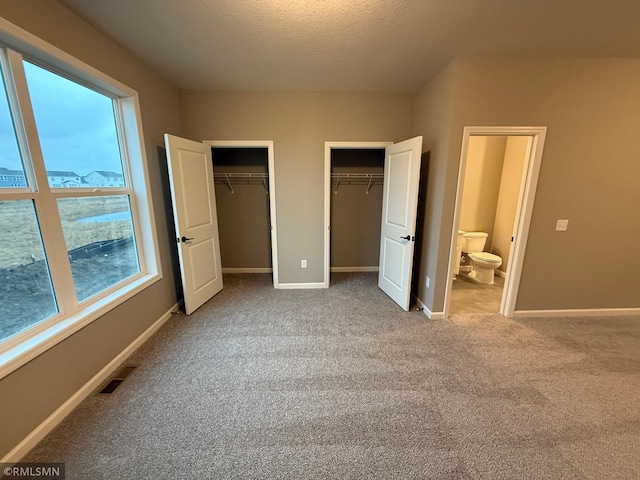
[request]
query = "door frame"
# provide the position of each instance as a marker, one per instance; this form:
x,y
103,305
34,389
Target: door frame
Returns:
x,y
524,209
328,146
268,144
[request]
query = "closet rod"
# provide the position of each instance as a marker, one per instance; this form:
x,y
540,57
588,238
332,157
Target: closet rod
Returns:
x,y
355,178
241,175
245,178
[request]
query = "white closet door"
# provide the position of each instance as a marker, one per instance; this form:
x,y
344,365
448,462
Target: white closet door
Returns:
x,y
196,219
399,206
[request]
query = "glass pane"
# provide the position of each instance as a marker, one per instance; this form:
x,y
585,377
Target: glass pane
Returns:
x,y
26,294
11,169
99,235
77,130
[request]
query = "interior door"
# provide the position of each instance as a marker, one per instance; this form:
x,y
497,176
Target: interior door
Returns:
x,y
196,219
399,206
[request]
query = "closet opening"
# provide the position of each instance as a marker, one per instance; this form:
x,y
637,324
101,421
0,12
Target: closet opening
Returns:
x,y
245,204
353,210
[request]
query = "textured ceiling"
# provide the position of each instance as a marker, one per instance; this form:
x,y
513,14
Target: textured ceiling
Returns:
x,y
351,45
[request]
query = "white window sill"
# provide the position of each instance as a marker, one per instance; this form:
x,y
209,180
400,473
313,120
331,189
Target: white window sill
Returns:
x,y
15,352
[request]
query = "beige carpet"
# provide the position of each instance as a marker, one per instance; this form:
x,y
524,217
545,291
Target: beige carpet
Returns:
x,y
342,384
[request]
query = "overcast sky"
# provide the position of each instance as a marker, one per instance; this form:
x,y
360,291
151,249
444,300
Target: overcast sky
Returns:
x,y
75,124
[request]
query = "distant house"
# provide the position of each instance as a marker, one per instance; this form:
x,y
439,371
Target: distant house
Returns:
x,y
69,184
102,178
62,179
12,178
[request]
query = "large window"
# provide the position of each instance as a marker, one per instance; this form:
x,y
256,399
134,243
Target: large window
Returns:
x,y
75,239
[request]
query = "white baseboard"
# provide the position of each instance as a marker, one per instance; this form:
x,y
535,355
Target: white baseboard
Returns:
x,y
354,269
65,409
295,286
431,315
597,312
247,270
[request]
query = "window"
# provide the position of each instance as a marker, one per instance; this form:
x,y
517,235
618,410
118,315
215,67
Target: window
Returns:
x,y
76,228
26,292
10,161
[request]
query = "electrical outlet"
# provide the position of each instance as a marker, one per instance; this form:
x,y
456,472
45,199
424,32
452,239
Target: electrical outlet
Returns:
x,y
427,281
562,225
303,264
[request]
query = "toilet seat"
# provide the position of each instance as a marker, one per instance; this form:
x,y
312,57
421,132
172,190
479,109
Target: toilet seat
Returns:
x,y
486,257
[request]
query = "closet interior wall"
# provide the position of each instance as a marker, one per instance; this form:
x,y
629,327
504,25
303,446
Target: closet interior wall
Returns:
x,y
242,203
356,208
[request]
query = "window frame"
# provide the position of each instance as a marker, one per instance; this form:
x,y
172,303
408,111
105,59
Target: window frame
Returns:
x,y
17,44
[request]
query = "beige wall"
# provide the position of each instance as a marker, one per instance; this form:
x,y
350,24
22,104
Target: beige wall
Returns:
x,y
243,214
355,220
510,183
433,114
30,394
299,124
483,170
589,174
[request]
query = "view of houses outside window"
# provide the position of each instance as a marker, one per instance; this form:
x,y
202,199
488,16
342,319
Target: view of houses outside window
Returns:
x,y
78,147
58,179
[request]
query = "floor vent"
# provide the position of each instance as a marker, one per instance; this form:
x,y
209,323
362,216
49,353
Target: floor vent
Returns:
x,y
118,379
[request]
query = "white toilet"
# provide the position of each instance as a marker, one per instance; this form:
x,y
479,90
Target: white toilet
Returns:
x,y
483,264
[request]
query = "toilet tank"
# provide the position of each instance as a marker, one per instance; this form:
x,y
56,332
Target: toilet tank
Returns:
x,y
473,242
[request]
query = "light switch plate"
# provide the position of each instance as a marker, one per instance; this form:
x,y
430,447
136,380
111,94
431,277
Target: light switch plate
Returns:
x,y
562,225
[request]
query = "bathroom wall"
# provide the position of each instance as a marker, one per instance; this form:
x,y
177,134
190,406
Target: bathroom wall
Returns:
x,y
483,171
510,183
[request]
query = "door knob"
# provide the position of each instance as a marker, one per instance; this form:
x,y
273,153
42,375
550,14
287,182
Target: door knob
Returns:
x,y
408,237
186,239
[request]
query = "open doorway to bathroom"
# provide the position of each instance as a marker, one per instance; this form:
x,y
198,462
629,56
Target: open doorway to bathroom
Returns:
x,y
496,185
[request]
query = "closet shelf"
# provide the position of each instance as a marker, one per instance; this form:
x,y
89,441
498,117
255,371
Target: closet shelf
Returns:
x,y
368,179
248,178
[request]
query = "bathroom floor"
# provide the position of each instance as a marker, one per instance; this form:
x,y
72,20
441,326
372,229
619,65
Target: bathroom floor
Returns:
x,y
469,297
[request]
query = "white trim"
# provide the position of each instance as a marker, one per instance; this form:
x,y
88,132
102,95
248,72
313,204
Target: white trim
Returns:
x,y
523,214
247,270
268,144
72,402
431,315
355,269
140,197
19,350
300,286
596,312
328,146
